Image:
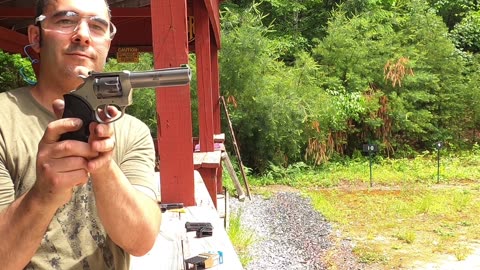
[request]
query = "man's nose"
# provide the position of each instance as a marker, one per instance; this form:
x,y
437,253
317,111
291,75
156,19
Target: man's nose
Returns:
x,y
82,33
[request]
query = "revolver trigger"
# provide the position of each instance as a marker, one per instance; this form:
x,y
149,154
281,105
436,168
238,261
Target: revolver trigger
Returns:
x,y
105,110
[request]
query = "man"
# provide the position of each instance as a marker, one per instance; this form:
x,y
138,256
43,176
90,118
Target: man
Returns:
x,y
67,204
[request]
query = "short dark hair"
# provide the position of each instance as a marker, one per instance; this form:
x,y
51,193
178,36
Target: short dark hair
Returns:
x,y
41,4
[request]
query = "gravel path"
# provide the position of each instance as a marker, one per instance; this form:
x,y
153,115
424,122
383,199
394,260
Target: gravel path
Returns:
x,y
290,234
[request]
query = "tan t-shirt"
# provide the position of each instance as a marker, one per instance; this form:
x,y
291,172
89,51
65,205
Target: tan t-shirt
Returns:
x,y
75,239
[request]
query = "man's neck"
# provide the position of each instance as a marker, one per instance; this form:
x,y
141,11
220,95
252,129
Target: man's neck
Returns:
x,y
45,92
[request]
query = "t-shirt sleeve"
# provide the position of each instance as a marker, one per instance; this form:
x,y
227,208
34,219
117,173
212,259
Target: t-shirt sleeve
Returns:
x,y
7,192
136,153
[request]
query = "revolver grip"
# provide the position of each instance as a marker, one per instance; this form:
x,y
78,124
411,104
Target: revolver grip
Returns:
x,y
77,107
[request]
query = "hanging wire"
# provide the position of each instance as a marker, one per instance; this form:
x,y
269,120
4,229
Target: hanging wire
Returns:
x,y
22,70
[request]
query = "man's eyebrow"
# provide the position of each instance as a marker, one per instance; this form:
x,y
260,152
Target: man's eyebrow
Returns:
x,y
70,13
65,13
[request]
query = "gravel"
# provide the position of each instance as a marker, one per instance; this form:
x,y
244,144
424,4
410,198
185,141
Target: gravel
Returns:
x,y
290,234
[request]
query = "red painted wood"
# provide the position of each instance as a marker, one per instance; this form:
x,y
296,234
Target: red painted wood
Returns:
x,y
215,89
15,12
204,89
216,104
204,80
209,176
11,41
214,16
169,32
140,12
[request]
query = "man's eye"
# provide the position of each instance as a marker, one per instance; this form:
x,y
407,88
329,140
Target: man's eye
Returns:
x,y
66,22
98,27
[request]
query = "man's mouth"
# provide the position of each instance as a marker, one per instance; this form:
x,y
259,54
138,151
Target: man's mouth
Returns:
x,y
82,55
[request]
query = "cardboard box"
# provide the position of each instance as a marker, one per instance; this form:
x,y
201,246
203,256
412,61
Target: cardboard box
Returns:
x,y
211,261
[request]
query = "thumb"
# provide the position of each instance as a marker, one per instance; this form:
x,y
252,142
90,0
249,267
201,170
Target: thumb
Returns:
x,y
58,107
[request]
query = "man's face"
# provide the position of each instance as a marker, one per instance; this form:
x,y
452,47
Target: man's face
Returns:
x,y
76,53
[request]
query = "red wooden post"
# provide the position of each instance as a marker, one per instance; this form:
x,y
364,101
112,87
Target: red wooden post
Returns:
x,y
170,46
205,102
215,89
204,79
216,104
215,46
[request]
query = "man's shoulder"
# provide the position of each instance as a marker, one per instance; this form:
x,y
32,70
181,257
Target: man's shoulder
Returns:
x,y
13,96
131,121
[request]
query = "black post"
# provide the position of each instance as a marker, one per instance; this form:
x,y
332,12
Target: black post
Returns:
x,y
438,146
438,166
370,154
370,149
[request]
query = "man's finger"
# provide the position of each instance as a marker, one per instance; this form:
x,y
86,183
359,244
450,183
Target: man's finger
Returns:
x,y
98,162
72,148
111,114
58,107
56,128
71,179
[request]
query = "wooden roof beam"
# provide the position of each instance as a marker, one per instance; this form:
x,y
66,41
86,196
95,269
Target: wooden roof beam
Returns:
x,y
12,41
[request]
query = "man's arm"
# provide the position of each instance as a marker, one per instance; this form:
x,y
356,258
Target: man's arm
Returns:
x,y
22,226
130,217
59,168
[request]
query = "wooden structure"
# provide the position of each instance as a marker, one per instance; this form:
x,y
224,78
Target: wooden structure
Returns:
x,y
174,243
170,29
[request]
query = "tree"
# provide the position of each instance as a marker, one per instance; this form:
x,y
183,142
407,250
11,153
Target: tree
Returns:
x,y
466,33
453,11
425,107
15,71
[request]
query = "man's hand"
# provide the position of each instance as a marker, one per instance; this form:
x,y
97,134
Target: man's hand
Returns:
x,y
60,165
102,141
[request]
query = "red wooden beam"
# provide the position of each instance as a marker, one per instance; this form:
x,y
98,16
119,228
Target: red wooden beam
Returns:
x,y
12,41
12,12
143,12
170,46
214,15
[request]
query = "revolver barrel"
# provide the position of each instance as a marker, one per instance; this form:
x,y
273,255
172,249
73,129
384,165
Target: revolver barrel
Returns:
x,y
160,78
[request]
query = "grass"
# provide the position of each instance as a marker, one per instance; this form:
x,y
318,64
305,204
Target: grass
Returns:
x,y
410,212
456,169
241,238
398,227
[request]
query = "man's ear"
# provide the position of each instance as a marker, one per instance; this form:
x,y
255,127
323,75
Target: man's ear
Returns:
x,y
34,37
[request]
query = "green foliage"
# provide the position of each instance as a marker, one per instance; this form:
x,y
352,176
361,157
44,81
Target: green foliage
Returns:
x,y
267,116
422,169
241,238
380,71
357,49
10,67
466,34
452,11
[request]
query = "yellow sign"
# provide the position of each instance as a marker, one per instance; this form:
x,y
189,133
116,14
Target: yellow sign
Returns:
x,y
191,28
127,54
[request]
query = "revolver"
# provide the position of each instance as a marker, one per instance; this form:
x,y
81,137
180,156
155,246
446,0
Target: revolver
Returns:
x,y
102,89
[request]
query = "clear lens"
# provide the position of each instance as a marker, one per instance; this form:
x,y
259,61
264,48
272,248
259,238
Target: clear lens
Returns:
x,y
69,22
